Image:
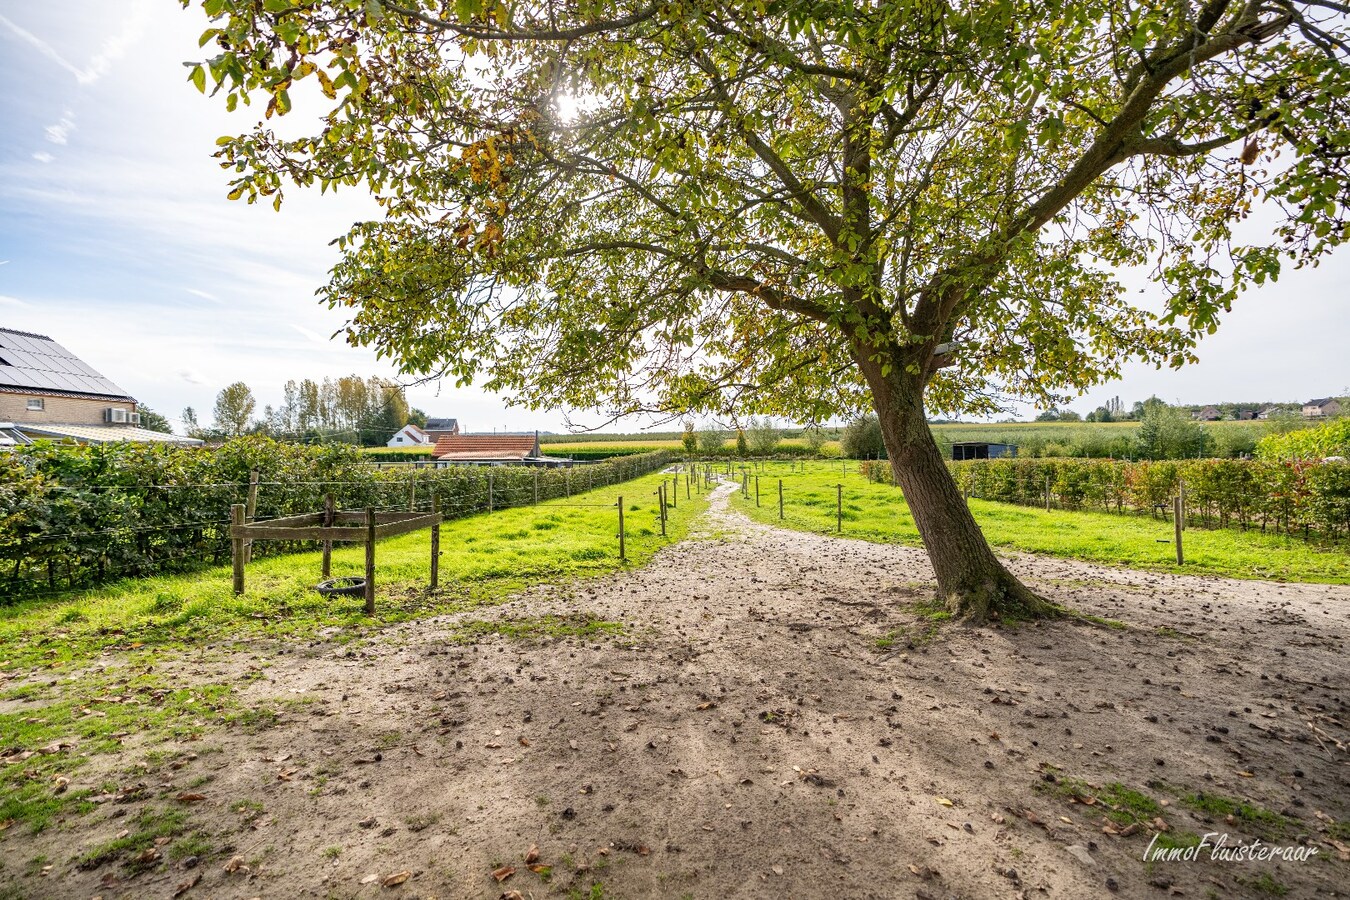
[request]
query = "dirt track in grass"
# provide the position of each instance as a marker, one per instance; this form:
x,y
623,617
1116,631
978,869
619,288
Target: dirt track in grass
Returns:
x,y
745,736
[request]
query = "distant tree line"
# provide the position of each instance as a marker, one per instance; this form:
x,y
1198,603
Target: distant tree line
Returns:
x,y
350,410
1162,432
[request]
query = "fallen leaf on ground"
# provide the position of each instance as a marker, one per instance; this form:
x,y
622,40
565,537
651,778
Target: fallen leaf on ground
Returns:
x,y
370,879
532,854
190,798
236,864
943,801
397,878
185,886
512,895
524,742
503,873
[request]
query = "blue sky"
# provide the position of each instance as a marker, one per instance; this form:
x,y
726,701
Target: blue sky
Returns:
x,y
117,240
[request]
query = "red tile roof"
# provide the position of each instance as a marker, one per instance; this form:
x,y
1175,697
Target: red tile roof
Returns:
x,y
486,446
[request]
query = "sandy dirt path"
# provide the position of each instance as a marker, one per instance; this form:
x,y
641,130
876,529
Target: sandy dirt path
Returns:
x,y
745,737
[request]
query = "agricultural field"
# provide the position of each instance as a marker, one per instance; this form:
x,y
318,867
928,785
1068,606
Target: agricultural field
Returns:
x,y
739,709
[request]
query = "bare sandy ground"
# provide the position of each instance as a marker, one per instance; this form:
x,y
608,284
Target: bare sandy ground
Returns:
x,y
745,737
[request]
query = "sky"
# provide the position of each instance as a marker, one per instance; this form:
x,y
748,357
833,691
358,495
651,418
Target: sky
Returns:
x,y
116,239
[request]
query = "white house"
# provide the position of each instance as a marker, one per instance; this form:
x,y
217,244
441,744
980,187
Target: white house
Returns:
x,y
410,436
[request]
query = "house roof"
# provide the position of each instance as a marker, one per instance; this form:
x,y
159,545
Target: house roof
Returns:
x,y
35,362
1322,402
413,429
442,424
486,446
94,434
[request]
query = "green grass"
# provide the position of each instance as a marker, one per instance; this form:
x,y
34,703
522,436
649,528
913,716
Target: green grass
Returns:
x,y
877,512
484,559
149,825
127,626
1220,807
1122,805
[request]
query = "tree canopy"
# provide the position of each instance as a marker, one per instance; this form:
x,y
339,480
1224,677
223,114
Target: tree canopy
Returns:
x,y
628,205
802,208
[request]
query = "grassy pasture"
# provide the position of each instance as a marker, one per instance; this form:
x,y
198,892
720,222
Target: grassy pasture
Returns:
x,y
483,559
877,512
78,672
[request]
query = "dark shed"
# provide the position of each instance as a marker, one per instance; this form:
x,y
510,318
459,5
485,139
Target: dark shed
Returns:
x,y
982,450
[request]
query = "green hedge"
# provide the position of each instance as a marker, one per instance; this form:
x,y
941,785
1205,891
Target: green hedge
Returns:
x,y
594,453
396,454
1291,496
73,516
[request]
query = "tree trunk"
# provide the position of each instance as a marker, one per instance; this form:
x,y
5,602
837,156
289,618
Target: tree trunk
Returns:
x,y
972,583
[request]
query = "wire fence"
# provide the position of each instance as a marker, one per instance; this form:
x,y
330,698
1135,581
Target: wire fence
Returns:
x,y
1304,499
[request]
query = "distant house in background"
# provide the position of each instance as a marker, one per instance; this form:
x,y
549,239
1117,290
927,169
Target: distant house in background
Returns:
x,y
981,450
48,393
410,436
1244,414
439,428
1207,414
493,450
1271,409
1318,409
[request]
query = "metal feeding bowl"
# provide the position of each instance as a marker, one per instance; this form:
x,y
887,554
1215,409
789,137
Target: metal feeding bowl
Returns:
x,y
348,586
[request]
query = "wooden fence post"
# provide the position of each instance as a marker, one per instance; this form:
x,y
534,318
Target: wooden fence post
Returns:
x,y
756,492
237,547
1047,493
1176,515
536,487
622,549
412,491
661,506
329,512
370,560
672,494
435,543
489,492
251,510
839,508
780,499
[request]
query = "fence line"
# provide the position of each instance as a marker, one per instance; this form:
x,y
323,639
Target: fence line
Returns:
x,y
84,533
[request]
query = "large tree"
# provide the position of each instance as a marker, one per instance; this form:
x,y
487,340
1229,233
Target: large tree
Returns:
x,y
234,409
804,209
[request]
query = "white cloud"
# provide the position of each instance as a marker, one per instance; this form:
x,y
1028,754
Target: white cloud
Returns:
x,y
10,301
60,132
310,333
191,377
203,294
43,156
111,50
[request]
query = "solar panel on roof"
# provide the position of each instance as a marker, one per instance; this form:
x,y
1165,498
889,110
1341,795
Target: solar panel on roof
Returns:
x,y
38,362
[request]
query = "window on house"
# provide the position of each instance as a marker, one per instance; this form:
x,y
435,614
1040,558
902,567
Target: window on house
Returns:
x,y
35,403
